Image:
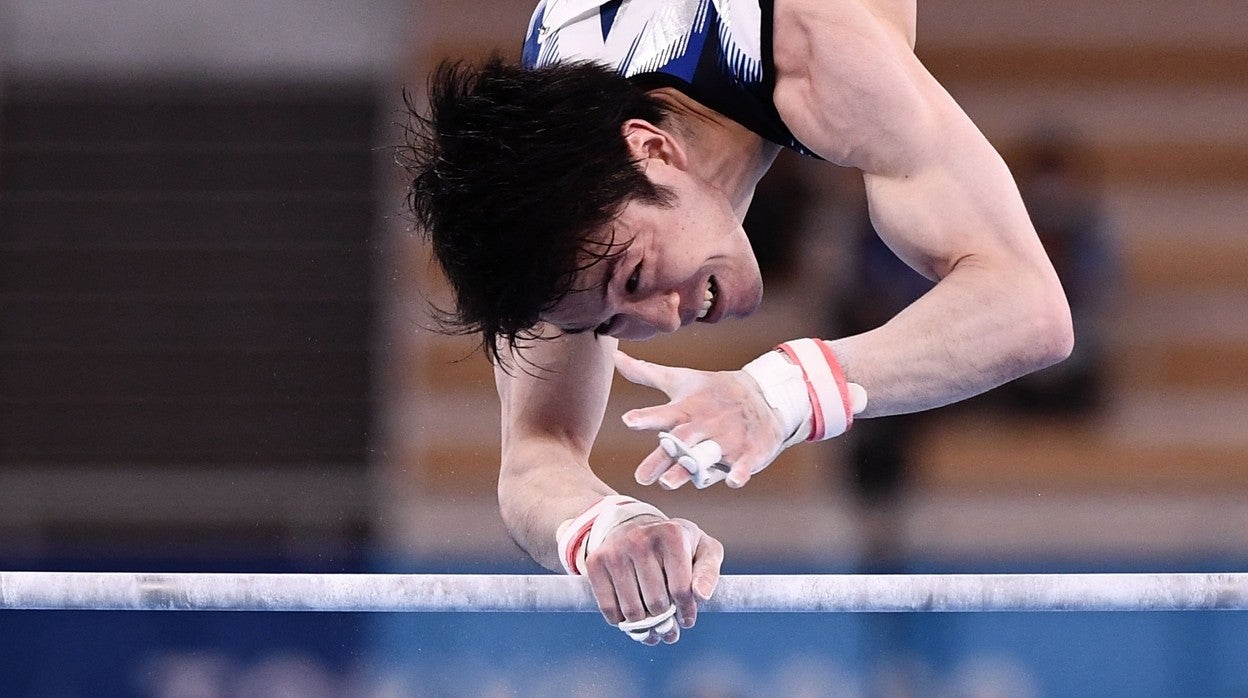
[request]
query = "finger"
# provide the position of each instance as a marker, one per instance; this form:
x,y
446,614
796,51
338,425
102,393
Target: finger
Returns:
x,y
709,476
654,593
708,556
645,373
749,464
604,592
705,454
738,476
652,630
627,592
678,565
668,631
653,466
692,458
699,460
675,477
653,587
740,471
657,418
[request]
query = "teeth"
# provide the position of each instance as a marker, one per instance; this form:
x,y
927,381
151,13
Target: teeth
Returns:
x,y
708,299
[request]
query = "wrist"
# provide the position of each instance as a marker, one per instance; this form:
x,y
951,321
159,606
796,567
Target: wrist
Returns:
x,y
781,382
803,382
581,535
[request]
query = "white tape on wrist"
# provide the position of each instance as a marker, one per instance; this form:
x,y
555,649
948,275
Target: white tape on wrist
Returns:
x,y
808,390
578,537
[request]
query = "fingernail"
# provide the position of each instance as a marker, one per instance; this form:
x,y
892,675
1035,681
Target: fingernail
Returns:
x,y
703,589
734,481
670,482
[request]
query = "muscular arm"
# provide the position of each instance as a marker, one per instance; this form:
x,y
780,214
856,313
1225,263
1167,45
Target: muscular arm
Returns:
x,y
550,419
646,567
850,87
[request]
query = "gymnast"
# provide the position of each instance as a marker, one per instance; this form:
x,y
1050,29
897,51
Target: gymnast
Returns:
x,y
595,192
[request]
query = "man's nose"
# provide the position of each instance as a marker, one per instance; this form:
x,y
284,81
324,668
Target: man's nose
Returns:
x,y
661,312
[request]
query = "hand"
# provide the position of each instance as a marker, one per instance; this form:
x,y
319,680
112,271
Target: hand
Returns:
x,y
646,565
726,406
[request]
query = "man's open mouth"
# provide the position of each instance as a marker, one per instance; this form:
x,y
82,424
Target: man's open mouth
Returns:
x,y
709,298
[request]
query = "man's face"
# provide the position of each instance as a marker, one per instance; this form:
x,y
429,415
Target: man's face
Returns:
x,y
685,263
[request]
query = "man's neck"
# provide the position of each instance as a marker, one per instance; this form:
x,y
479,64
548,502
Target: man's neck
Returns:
x,y
721,152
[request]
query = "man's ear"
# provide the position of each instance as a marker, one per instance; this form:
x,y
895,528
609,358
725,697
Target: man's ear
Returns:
x,y
647,141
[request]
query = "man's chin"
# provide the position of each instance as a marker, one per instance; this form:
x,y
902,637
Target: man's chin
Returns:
x,y
750,305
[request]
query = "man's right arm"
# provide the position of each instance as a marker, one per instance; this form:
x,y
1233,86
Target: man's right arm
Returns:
x,y
553,401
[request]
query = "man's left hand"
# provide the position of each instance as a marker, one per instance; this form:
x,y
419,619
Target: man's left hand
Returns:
x,y
726,406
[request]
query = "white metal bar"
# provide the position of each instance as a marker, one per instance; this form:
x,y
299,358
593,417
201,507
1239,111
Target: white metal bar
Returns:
x,y
556,593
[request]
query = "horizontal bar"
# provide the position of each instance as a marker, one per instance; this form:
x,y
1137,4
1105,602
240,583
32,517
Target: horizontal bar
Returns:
x,y
123,591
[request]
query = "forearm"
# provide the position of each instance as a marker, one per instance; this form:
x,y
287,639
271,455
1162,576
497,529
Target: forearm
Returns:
x,y
541,485
550,418
984,324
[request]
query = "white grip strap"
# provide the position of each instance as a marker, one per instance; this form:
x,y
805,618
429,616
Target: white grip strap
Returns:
x,y
661,624
810,392
784,388
579,536
701,460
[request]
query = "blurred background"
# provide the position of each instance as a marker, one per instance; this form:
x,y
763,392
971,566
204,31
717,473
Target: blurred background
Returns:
x,y
214,357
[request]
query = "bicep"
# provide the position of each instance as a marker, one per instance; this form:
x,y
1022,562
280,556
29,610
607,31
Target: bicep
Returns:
x,y
938,191
959,207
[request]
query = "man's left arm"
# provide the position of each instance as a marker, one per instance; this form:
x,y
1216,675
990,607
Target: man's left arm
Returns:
x,y
850,88
940,196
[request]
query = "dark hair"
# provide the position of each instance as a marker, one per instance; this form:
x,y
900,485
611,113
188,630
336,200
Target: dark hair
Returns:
x,y
511,171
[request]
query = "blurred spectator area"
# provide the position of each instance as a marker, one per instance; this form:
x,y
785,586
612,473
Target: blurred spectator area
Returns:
x,y
1157,92
186,309
194,327
1160,106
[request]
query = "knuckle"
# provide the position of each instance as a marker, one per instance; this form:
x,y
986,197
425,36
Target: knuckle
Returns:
x,y
605,560
666,535
611,613
659,603
683,596
632,610
637,538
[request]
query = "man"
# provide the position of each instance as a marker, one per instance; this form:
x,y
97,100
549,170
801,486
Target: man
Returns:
x,y
596,193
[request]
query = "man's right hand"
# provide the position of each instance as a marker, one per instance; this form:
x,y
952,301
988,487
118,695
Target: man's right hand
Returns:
x,y
647,565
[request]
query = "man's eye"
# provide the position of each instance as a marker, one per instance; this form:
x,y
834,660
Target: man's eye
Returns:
x,y
605,328
634,280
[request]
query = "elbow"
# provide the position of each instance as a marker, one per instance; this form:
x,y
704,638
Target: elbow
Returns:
x,y
511,498
1051,338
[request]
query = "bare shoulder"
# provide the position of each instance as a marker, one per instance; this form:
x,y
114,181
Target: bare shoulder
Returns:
x,y
898,15
847,81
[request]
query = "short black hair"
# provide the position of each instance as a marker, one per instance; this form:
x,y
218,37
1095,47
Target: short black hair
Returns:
x,y
511,171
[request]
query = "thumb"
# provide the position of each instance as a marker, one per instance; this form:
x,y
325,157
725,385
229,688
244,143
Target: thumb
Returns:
x,y
708,556
644,373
